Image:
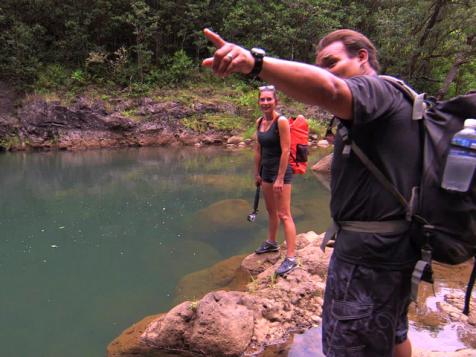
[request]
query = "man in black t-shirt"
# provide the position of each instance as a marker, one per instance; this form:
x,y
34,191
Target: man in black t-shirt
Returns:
x,y
368,285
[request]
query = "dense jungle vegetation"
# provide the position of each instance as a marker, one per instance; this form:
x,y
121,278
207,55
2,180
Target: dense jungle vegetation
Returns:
x,y
49,45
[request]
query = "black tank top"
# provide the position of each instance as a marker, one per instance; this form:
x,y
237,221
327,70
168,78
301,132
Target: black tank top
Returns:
x,y
270,144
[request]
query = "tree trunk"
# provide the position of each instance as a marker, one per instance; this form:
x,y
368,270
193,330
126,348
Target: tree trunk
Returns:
x,y
437,7
451,76
460,59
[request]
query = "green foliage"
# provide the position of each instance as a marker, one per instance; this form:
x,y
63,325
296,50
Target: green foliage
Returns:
x,y
173,71
317,126
79,77
138,89
144,24
249,132
53,76
10,142
430,43
19,60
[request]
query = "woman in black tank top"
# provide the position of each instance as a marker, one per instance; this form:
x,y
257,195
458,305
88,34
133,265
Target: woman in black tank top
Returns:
x,y
274,174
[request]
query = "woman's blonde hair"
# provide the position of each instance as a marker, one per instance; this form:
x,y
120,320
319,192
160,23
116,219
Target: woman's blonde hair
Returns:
x,y
268,88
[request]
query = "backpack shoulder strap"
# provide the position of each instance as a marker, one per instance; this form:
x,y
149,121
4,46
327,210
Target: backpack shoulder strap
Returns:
x,y
378,174
260,119
417,100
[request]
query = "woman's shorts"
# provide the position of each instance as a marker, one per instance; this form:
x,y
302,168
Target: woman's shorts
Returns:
x,y
365,310
269,174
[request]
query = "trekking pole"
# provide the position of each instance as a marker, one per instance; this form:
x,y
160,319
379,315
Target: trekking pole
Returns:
x,y
252,215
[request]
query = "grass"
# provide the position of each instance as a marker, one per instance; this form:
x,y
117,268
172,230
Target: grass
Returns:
x,y
253,285
194,305
10,142
131,114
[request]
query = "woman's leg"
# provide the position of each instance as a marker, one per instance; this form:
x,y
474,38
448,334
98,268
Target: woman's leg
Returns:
x,y
273,219
283,203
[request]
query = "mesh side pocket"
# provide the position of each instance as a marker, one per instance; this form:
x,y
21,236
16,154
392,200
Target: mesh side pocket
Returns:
x,y
301,153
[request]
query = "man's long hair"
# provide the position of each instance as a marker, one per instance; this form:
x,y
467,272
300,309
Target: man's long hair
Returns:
x,y
353,42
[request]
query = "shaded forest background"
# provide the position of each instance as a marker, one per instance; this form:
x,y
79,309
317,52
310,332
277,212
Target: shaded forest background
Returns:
x,y
52,44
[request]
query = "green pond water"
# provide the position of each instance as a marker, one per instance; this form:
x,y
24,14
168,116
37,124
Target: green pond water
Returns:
x,y
93,241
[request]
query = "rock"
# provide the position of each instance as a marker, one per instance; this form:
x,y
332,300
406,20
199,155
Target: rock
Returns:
x,y
92,123
472,320
222,182
258,263
218,325
188,139
118,122
323,143
226,274
129,343
236,323
212,139
235,140
221,216
324,164
315,260
224,327
311,236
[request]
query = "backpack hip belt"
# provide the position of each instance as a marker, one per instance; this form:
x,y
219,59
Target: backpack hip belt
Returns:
x,y
378,227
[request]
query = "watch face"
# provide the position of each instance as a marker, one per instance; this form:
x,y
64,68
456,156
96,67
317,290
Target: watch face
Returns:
x,y
259,52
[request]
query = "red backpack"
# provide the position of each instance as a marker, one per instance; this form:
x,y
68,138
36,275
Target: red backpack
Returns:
x,y
299,141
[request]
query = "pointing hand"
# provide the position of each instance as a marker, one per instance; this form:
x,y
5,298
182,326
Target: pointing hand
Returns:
x,y
228,57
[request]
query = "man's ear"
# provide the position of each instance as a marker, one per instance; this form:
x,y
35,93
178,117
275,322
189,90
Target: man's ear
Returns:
x,y
363,56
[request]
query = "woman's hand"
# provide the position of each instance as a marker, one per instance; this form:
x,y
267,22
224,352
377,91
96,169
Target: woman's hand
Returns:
x,y
278,185
228,57
258,180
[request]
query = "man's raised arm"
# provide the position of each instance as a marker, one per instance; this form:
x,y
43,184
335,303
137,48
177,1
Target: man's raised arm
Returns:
x,y
305,83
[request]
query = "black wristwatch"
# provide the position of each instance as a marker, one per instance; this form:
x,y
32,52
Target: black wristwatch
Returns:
x,y
258,54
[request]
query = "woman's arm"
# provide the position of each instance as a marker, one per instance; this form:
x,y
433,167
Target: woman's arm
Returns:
x,y
285,142
257,156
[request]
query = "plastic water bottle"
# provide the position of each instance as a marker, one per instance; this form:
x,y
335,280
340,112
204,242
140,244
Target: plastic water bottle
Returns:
x,y
461,160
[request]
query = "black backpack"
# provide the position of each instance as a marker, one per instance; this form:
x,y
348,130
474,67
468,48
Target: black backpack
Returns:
x,y
444,221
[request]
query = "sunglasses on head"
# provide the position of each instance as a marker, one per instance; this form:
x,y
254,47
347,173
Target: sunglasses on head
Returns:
x,y
264,88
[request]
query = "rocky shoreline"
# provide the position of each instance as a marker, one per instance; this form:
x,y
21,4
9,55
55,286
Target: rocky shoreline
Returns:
x,y
243,320
236,323
35,123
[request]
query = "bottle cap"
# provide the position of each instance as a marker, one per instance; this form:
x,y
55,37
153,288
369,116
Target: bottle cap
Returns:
x,y
471,123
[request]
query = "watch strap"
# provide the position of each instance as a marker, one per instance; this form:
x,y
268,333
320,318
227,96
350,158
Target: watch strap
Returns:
x,y
258,65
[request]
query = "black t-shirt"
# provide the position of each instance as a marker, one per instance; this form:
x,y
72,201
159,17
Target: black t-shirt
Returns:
x,y
383,128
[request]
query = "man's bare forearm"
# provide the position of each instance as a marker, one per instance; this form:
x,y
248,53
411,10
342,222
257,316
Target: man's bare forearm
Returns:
x,y
309,84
